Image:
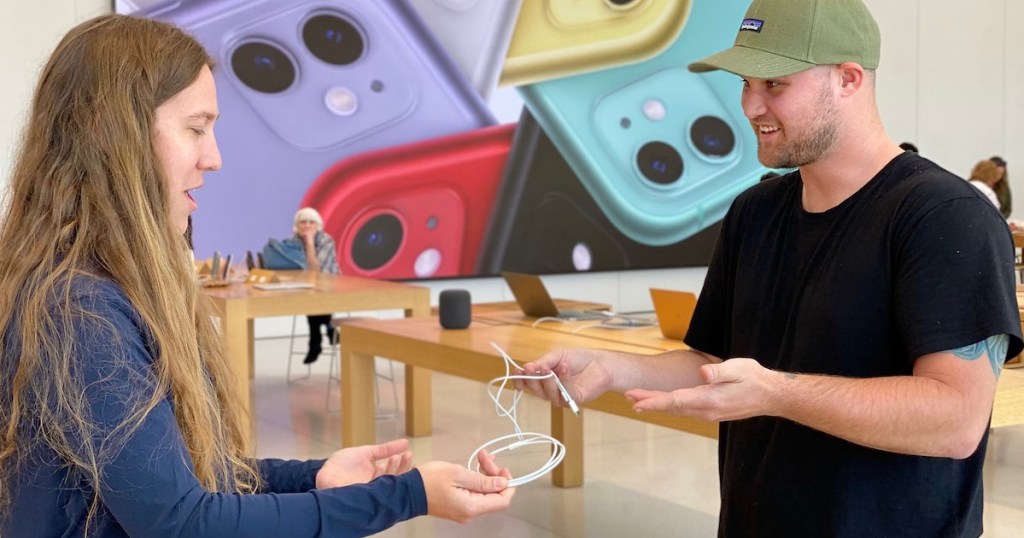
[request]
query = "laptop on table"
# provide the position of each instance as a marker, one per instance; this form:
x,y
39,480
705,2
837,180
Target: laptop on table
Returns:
x,y
533,299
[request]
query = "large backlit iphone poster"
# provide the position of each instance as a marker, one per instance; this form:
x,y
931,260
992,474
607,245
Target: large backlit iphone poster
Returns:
x,y
402,122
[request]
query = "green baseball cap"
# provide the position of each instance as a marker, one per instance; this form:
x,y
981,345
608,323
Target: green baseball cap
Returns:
x,y
781,37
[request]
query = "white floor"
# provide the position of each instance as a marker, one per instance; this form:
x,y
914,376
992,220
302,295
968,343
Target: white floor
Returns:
x,y
640,480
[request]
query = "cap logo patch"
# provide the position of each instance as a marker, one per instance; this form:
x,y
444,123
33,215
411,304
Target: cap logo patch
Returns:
x,y
751,25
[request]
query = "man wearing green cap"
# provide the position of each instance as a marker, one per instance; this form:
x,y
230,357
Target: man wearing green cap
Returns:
x,y
865,303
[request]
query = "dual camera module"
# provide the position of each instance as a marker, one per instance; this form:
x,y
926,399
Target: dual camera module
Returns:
x,y
267,68
662,164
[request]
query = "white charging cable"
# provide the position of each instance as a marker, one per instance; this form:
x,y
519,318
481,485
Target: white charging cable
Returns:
x,y
616,323
520,438
544,319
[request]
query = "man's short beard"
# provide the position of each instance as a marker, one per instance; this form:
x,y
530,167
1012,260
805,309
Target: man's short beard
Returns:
x,y
822,135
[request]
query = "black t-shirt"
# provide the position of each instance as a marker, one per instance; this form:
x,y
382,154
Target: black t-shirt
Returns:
x,y
913,263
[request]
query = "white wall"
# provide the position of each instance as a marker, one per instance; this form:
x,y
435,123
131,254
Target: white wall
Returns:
x,y
962,82
29,31
949,81
1012,139
626,291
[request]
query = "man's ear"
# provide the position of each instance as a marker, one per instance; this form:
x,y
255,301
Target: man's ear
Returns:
x,y
851,78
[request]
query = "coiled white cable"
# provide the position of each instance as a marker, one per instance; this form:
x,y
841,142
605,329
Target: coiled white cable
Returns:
x,y
519,438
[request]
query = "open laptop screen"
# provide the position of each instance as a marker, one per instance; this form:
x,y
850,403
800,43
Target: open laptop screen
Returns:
x,y
535,301
674,310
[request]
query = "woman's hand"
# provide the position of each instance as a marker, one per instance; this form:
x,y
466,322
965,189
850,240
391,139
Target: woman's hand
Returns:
x,y
734,389
456,493
308,235
360,464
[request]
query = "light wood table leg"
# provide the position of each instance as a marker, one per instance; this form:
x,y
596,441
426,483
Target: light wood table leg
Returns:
x,y
568,428
358,410
237,346
251,339
419,413
238,350
419,409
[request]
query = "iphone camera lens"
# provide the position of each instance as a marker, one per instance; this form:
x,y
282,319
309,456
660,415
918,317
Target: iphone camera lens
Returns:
x,y
660,162
712,136
377,241
263,67
333,39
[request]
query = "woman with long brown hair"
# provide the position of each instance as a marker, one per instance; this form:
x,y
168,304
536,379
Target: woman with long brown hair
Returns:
x,y
116,405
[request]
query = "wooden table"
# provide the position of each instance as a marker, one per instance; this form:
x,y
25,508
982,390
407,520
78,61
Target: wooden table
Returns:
x,y
501,308
1008,409
424,345
649,336
238,304
1018,361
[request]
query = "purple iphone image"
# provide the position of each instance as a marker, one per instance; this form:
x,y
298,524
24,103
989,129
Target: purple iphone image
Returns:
x,y
303,84
135,6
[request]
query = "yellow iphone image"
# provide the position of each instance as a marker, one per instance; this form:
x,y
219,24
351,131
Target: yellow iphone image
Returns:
x,y
556,38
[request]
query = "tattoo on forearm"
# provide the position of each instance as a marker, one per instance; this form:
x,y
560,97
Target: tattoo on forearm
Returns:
x,y
994,347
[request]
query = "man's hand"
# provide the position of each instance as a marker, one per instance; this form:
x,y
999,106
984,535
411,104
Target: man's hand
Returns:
x,y
734,389
582,374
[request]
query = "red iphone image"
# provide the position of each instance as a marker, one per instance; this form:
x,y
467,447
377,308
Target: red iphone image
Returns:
x,y
417,210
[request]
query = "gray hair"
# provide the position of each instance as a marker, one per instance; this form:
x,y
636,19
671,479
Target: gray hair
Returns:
x,y
308,213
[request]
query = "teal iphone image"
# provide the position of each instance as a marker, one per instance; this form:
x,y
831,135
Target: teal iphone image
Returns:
x,y
662,151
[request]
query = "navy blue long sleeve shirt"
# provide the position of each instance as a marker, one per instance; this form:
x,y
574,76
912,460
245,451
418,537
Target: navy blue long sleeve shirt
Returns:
x,y
149,487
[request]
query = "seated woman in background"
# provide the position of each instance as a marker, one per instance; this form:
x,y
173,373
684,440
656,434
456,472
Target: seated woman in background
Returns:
x,y
984,176
321,255
1002,187
119,413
